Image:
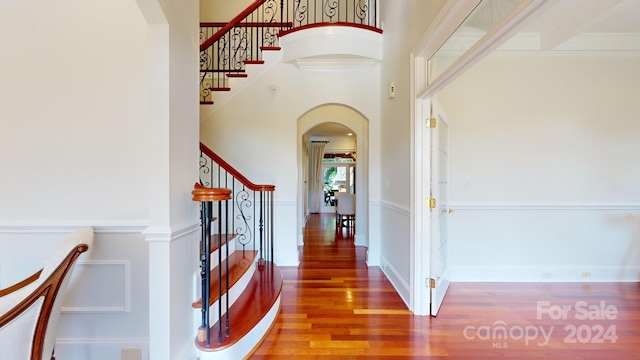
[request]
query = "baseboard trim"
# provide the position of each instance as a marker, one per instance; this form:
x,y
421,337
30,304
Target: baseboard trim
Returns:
x,y
99,349
545,274
549,206
401,286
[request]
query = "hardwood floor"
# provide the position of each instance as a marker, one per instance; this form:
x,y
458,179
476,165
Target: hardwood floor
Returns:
x,y
335,307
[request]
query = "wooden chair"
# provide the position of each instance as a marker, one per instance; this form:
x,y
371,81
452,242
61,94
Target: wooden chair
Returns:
x,y
30,309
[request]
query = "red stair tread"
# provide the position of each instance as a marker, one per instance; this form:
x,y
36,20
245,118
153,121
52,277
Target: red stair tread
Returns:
x,y
254,61
254,303
270,48
239,262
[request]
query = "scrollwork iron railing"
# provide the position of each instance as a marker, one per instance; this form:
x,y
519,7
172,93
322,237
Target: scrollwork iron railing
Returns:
x,y
250,214
244,214
227,47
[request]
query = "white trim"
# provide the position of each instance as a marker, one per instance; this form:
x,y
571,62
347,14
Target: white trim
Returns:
x,y
492,40
400,209
335,65
93,341
166,234
538,207
529,43
100,349
544,273
401,286
58,227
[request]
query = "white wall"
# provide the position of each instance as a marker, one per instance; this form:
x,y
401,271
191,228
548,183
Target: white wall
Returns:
x,y
222,10
72,108
403,24
92,136
544,175
66,96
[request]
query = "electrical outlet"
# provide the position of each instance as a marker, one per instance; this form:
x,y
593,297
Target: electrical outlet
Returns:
x,y
131,354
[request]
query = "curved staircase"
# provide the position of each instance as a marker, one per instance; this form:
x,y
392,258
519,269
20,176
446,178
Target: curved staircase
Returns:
x,y
240,285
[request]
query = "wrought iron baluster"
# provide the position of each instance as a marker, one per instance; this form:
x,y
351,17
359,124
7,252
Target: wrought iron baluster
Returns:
x,y
226,236
271,221
261,227
219,274
205,264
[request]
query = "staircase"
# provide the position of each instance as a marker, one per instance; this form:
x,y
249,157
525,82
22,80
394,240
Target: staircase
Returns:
x,y
239,283
227,48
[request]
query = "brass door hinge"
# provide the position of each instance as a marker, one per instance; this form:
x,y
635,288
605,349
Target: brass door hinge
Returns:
x,y
432,283
431,203
432,122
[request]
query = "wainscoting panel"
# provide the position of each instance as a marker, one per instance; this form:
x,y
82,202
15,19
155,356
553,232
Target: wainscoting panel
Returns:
x,y
545,242
99,286
395,256
106,306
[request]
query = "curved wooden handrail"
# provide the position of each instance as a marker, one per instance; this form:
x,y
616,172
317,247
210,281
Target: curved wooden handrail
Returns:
x,y
48,290
234,22
325,24
233,172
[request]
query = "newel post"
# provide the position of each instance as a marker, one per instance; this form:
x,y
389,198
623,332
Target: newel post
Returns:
x,y
206,196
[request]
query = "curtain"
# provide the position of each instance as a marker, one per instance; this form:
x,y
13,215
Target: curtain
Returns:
x,y
305,173
316,176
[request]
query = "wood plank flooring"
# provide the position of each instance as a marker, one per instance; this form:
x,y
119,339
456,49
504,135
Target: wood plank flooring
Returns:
x,y
335,307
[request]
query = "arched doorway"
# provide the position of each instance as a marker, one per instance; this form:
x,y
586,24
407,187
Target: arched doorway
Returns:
x,y
333,122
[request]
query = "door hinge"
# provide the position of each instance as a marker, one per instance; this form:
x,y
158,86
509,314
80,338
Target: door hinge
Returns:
x,y
431,203
432,122
431,283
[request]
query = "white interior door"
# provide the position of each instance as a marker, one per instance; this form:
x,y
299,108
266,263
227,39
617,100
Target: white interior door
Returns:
x,y
439,256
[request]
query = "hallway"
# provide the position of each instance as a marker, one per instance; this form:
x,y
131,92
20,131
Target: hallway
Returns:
x,y
335,307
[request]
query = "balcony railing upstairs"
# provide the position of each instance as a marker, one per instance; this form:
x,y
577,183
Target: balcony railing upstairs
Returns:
x,y
227,47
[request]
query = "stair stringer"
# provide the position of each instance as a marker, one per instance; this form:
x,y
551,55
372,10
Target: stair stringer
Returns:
x,y
237,84
248,344
243,347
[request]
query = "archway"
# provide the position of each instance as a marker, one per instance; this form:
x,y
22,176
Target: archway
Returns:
x,y
353,120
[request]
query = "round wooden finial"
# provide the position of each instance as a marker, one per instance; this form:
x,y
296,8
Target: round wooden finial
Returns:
x,y
204,194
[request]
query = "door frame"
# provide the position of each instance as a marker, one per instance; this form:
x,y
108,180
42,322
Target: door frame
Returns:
x,y
450,16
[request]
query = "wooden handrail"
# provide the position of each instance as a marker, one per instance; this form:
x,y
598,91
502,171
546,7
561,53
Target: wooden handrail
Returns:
x,y
234,22
233,172
339,23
